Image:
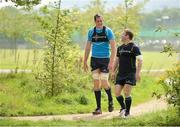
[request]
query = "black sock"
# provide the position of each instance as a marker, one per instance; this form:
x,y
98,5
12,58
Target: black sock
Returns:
x,y
128,102
108,92
98,98
120,99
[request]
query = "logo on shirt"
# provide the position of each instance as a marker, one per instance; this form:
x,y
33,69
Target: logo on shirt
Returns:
x,y
96,37
124,51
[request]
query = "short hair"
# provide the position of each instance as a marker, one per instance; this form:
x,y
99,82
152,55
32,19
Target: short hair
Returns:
x,y
97,16
129,33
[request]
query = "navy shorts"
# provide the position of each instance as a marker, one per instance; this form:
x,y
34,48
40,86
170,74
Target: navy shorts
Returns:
x,y
100,63
129,78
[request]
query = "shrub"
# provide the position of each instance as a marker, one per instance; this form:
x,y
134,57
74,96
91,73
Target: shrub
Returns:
x,y
171,85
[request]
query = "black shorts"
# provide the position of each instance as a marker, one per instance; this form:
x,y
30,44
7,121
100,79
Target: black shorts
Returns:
x,y
100,63
129,78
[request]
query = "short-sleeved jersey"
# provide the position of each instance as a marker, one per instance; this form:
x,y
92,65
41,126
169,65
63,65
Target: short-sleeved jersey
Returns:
x,y
127,58
101,49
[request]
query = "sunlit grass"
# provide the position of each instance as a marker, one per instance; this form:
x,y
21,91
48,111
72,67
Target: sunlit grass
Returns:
x,y
26,59
20,95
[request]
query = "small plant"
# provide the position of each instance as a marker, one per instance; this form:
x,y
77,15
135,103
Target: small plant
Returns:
x,y
171,85
82,99
63,100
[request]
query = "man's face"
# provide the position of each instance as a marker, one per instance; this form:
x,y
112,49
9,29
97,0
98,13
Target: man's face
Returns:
x,y
124,37
99,21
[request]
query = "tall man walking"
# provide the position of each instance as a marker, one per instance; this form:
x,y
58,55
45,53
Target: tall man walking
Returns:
x,y
101,39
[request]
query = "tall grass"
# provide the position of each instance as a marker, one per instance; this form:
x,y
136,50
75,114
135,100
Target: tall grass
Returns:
x,y
21,95
27,58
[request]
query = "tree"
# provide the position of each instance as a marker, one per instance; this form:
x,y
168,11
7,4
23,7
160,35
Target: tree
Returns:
x,y
152,19
125,16
118,18
85,19
60,55
25,3
13,25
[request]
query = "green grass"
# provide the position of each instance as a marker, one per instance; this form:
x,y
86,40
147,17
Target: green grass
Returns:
x,y
161,118
28,58
20,95
156,60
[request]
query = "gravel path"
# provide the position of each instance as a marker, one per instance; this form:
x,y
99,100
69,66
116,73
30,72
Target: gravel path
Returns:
x,y
151,106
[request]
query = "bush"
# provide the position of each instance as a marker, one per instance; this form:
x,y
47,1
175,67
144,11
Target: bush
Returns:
x,y
63,100
82,99
171,85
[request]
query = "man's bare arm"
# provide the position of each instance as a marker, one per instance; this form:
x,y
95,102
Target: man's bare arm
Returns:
x,y
116,64
139,66
113,54
86,55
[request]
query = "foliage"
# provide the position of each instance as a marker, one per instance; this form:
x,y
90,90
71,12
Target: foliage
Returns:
x,y
85,19
25,3
12,25
21,95
61,57
170,83
125,16
117,18
17,25
168,48
168,17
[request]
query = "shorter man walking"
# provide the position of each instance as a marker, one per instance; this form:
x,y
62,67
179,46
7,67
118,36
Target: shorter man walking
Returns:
x,y
127,56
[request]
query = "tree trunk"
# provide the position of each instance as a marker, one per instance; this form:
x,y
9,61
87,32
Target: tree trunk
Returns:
x,y
54,50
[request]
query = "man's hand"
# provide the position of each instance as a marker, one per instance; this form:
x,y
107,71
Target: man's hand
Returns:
x,y
85,66
113,54
111,66
138,76
138,70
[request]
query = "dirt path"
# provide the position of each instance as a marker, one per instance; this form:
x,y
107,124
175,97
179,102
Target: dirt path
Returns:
x,y
14,70
151,106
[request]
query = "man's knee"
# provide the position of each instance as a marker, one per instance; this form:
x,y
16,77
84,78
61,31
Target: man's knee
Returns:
x,y
127,90
118,90
104,76
127,93
96,75
104,80
117,93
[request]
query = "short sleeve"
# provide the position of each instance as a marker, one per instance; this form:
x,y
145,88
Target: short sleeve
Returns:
x,y
136,51
89,36
110,35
